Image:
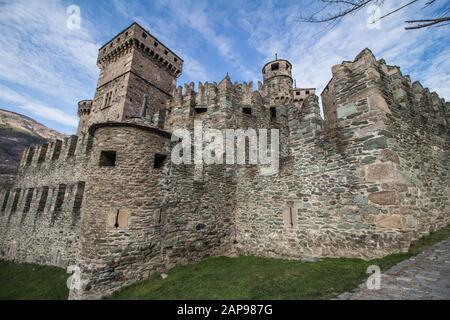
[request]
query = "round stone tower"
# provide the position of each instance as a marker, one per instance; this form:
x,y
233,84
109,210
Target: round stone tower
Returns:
x,y
278,81
84,111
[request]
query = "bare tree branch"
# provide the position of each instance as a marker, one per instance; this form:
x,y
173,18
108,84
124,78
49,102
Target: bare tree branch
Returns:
x,y
431,22
348,7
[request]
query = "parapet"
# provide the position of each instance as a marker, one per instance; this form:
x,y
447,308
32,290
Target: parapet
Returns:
x,y
84,107
370,85
137,37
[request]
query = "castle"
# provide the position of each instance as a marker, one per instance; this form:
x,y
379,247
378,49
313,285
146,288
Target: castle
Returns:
x,y
366,181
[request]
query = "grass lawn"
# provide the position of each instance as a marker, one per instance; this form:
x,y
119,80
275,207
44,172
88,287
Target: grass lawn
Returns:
x,y
219,278
32,282
263,278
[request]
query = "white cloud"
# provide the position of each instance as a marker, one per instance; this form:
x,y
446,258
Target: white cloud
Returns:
x,y
39,52
36,107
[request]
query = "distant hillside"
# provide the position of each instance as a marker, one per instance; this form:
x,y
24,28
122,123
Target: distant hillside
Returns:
x,y
18,132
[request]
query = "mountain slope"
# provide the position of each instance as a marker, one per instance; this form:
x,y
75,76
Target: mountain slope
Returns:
x,y
17,132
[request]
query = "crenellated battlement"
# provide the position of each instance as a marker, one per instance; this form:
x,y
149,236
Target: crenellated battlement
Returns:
x,y
136,37
68,151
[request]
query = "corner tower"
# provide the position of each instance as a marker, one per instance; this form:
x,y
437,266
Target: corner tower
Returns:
x,y
136,70
278,83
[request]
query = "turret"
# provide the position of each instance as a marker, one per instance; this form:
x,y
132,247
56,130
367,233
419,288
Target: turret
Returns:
x,y
84,112
277,76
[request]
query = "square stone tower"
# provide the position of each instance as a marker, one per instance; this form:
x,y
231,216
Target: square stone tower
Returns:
x,y
135,69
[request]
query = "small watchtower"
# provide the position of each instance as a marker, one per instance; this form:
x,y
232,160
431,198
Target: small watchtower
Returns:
x,y
278,83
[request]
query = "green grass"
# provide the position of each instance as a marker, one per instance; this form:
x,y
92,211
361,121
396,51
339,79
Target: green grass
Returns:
x,y
219,278
263,278
32,282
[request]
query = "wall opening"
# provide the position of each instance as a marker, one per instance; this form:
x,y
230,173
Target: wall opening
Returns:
x,y
247,110
107,159
43,153
5,200
159,161
275,66
29,197
200,110
60,197
57,150
76,212
120,220
43,200
290,216
72,146
30,156
273,113
15,201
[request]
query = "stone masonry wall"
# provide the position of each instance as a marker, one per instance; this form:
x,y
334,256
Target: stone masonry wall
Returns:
x,y
40,219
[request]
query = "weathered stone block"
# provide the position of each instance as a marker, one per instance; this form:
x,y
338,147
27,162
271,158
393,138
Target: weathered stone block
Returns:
x,y
385,198
388,221
345,111
380,172
375,143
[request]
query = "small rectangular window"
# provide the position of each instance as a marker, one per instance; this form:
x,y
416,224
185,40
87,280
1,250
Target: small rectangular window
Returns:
x,y
307,91
200,110
275,66
155,44
159,161
108,159
144,35
166,52
247,110
297,93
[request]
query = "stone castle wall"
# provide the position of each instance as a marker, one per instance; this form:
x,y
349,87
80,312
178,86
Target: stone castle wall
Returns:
x,y
366,181
40,216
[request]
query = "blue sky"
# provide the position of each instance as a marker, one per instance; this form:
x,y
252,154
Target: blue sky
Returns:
x,y
46,68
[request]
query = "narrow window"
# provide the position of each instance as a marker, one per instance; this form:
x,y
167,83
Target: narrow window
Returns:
x,y
159,160
5,200
78,201
155,44
307,91
275,66
290,216
175,59
60,198
247,110
121,219
72,146
15,200
43,153
30,156
57,150
28,199
43,200
108,159
144,35
273,113
200,110
166,52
